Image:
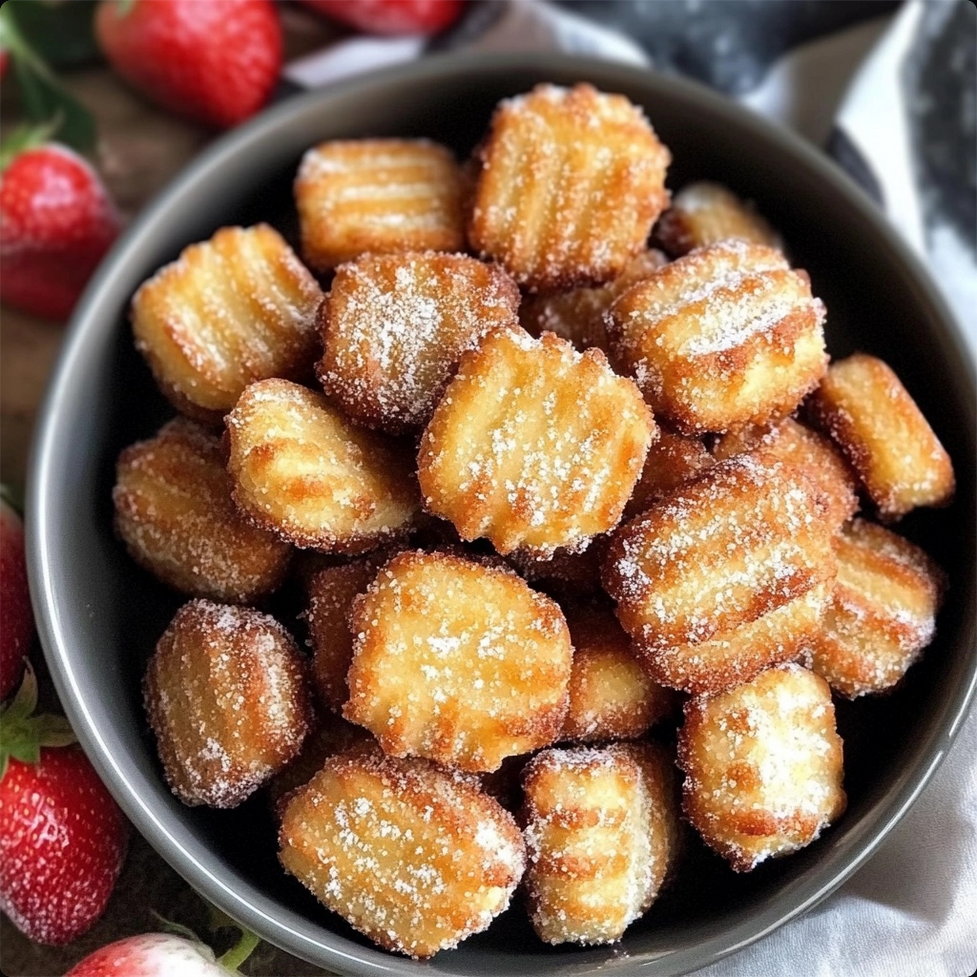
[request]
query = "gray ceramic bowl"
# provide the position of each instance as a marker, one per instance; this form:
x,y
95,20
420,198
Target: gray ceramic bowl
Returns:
x,y
100,616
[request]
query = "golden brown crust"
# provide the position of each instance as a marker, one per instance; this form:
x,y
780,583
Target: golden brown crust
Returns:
x,y
864,407
237,308
571,181
414,856
226,696
302,470
672,461
379,196
533,444
395,327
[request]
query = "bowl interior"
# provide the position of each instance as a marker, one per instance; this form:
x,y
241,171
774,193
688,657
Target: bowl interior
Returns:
x,y
101,616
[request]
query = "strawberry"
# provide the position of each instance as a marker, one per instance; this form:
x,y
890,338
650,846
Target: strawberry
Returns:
x,y
215,62
62,836
17,620
392,16
56,223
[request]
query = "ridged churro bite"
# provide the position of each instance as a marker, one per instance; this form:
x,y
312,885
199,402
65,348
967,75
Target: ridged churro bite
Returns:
x,y
534,445
304,471
174,512
414,856
726,336
237,308
226,696
706,213
578,315
882,612
763,766
379,196
865,408
395,326
602,831
457,661
612,696
673,460
571,181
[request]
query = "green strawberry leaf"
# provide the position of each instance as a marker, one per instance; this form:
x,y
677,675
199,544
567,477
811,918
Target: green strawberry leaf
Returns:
x,y
24,137
62,32
178,929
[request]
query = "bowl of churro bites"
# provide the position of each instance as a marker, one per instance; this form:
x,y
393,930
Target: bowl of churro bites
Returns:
x,y
511,515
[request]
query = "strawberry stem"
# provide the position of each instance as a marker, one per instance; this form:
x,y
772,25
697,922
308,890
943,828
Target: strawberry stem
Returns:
x,y
233,958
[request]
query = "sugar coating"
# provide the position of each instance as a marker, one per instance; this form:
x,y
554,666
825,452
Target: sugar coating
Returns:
x,y
672,461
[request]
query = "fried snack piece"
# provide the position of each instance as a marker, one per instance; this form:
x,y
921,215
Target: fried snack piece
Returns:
x,y
743,539
534,445
795,444
567,573
865,408
602,829
763,765
672,461
226,696
379,196
612,697
578,315
706,213
395,327
571,181
173,510
882,611
237,308
414,856
726,336
457,661
302,470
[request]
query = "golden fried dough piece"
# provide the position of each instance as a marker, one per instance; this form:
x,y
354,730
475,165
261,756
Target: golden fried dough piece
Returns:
x,y
301,469
226,696
378,195
395,327
571,181
763,765
578,315
882,611
534,445
706,213
795,444
174,512
672,461
601,835
726,336
457,661
612,697
865,408
743,539
237,308
414,856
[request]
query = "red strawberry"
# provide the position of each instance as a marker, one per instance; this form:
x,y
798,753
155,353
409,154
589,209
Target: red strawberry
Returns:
x,y
215,61
17,619
62,836
56,223
392,16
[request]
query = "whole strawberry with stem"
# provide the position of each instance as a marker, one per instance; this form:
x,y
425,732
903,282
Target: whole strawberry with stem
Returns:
x,y
17,618
62,837
214,62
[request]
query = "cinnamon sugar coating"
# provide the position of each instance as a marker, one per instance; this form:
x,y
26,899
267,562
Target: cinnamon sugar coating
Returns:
x,y
673,460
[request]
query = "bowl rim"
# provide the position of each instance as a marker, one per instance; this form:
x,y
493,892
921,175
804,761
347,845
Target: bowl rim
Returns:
x,y
340,952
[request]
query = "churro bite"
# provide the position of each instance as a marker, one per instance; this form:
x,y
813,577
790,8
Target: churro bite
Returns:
x,y
763,765
865,408
706,213
414,856
226,696
237,308
304,471
395,326
882,612
174,512
726,336
534,445
379,196
457,661
602,830
571,181
673,460
612,696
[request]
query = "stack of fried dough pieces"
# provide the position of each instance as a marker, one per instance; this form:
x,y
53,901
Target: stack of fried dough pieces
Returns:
x,y
543,487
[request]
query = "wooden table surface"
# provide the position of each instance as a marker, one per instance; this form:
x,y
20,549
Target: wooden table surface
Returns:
x,y
140,149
